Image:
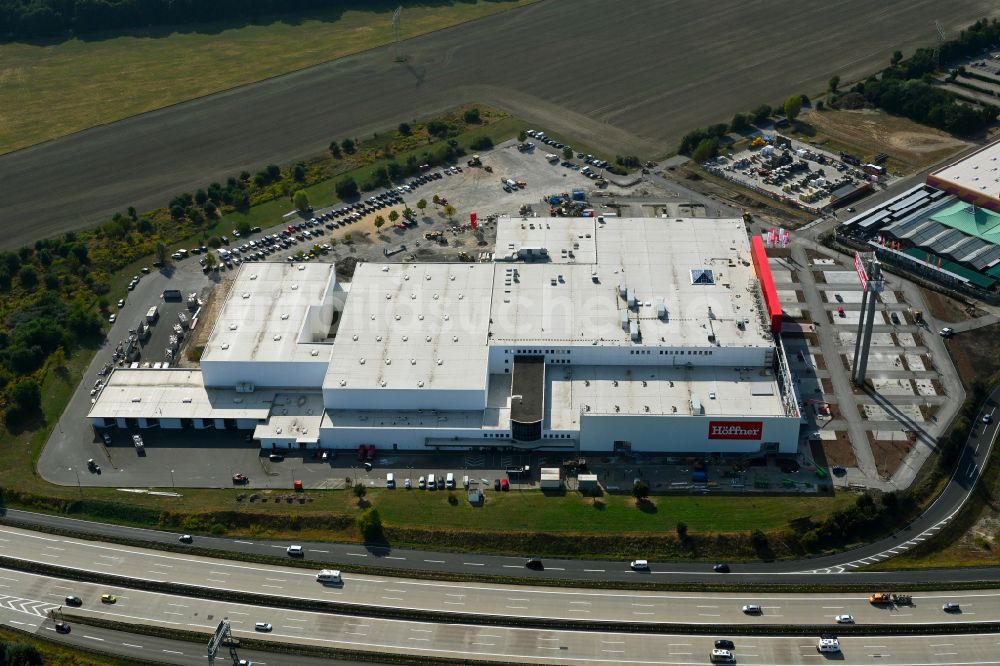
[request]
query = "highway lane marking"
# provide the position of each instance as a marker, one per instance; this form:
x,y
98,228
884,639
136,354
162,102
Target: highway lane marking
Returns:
x,y
435,561
614,651
421,631
214,580
388,557
867,647
942,645
833,607
517,599
643,613
581,602
390,590
415,638
219,573
276,587
248,543
54,587
511,566
172,613
451,594
357,554
594,570
709,615
285,626
93,638
393,598
489,636
355,633
159,564
54,548
16,622
613,642
556,569
295,619
276,580
474,564
132,645
179,605
646,605
455,603
944,654
172,651
316,550
237,613
516,607
478,643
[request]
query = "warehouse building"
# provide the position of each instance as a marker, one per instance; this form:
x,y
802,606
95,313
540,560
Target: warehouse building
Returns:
x,y
593,334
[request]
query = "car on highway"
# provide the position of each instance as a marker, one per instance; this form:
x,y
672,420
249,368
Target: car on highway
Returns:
x,y
262,626
721,568
62,627
108,599
725,644
185,538
719,656
295,551
244,662
951,607
831,644
74,601
844,619
534,563
987,418
752,609
639,565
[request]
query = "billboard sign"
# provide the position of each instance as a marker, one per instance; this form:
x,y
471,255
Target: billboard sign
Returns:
x,y
735,429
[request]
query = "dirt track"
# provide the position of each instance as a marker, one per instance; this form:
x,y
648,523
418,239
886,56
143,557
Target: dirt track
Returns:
x,y
627,77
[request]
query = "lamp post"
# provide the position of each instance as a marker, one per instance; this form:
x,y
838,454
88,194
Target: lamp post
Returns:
x,y
78,484
172,480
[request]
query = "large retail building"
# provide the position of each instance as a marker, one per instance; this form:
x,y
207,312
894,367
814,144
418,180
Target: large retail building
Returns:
x,y
592,334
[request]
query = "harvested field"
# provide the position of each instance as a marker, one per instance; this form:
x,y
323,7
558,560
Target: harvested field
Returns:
x,y
676,73
869,131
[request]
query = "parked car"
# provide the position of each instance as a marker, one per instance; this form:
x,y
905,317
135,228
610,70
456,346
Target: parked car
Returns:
x,y
947,332
504,484
240,478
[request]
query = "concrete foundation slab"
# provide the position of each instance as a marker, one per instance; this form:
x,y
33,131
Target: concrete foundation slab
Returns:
x,y
915,363
893,386
840,277
925,387
906,339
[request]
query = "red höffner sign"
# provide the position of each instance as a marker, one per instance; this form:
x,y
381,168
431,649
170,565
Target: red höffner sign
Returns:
x,y
735,429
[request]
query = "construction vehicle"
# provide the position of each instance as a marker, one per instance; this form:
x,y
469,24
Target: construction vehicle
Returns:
x,y
747,217
433,235
475,161
601,182
488,169
465,256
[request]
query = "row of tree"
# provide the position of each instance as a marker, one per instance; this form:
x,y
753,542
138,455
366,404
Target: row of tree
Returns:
x,y
58,18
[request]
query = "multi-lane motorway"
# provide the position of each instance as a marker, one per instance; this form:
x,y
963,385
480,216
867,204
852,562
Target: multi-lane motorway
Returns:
x,y
26,599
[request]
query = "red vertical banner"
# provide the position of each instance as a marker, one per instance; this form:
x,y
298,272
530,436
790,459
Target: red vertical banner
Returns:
x,y
472,220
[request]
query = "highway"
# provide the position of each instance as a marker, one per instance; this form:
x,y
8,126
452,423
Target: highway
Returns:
x,y
286,585
27,600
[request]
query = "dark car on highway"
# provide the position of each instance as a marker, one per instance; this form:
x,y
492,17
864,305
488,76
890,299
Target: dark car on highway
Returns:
x,y
534,563
725,644
74,601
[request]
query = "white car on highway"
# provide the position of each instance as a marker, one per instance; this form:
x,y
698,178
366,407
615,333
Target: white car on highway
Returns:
x,y
639,565
844,619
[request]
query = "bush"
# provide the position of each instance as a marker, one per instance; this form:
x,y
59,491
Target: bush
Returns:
x,y
346,188
301,201
481,143
705,150
472,116
370,525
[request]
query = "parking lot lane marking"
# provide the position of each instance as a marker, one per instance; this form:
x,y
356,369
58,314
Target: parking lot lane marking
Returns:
x,y
131,645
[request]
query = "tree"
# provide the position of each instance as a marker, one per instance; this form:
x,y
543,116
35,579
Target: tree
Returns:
x,y
436,199
161,252
370,525
348,146
28,277
739,123
705,150
437,128
335,149
346,188
449,210
897,57
834,82
522,136
567,153
793,105
360,490
379,222
57,359
393,216
682,531
200,197
481,143
301,201
27,395
761,113
405,129
299,172
471,116
408,212
210,260
640,490
422,204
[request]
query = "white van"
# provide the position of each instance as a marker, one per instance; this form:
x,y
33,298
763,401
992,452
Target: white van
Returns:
x,y
465,481
431,482
722,657
390,480
449,481
329,576
828,645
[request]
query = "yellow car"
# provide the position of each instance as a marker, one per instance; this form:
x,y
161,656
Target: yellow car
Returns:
x,y
108,598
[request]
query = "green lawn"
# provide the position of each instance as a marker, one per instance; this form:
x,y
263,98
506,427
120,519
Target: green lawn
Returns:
x,y
52,90
532,511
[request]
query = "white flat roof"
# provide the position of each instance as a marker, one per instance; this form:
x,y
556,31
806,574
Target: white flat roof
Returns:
x,y
174,393
413,326
265,310
657,390
979,172
573,297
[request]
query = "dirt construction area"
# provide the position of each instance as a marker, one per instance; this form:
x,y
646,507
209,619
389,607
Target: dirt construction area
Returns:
x,y
628,78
